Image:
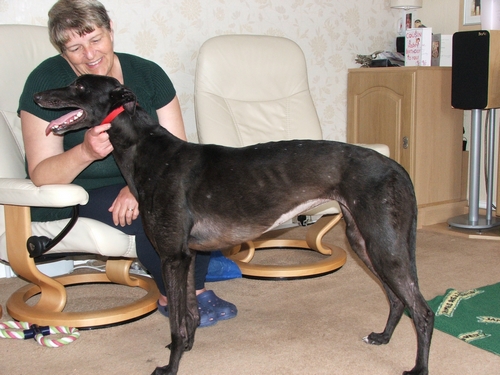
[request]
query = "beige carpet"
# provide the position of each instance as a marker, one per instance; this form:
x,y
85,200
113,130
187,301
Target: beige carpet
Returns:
x,y
312,326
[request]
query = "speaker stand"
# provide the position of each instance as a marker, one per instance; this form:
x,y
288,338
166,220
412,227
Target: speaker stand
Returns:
x,y
473,220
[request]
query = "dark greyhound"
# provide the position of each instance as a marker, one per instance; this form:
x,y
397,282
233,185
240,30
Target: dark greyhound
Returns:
x,y
206,197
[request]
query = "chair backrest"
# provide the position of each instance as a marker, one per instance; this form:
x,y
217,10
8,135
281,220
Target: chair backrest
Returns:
x,y
27,47
251,89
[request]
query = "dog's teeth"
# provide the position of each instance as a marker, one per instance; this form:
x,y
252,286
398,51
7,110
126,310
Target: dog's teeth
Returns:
x,y
75,118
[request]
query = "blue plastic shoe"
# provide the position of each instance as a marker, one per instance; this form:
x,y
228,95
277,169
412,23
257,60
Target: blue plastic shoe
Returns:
x,y
208,301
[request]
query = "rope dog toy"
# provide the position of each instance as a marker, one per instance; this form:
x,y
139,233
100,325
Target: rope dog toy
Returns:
x,y
25,331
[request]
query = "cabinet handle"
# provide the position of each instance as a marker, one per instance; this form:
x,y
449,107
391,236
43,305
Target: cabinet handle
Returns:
x,y
406,143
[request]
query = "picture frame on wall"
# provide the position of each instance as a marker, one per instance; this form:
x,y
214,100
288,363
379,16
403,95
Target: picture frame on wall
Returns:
x,y
471,12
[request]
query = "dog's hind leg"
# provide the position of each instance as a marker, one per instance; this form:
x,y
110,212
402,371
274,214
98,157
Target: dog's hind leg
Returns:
x,y
358,245
393,263
178,273
405,289
403,284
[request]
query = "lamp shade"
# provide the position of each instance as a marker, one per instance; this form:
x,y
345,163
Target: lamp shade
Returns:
x,y
406,4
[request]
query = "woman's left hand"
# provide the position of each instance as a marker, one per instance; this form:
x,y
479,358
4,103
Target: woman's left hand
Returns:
x,y
125,208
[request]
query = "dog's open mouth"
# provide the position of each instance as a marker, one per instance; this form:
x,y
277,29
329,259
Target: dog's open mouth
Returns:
x,y
64,123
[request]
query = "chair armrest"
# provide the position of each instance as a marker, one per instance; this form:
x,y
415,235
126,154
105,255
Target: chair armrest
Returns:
x,y
22,192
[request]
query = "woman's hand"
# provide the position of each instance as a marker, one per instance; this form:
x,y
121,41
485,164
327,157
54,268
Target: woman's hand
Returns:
x,y
96,144
125,208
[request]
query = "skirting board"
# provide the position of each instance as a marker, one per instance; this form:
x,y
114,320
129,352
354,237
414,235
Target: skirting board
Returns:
x,y
444,228
440,213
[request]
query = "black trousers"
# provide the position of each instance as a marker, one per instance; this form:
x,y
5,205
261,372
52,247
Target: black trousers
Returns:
x,y
97,208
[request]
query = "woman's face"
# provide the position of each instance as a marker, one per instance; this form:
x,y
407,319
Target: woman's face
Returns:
x,y
91,53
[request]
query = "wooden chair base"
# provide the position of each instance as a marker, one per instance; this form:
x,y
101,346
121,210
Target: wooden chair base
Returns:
x,y
335,257
21,311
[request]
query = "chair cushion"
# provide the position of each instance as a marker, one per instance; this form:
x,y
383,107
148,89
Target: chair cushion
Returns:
x,y
236,123
89,236
251,89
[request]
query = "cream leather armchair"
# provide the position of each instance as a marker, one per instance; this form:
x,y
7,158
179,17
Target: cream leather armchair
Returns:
x,y
28,46
251,89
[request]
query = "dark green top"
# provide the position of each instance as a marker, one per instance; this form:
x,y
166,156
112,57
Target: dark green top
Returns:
x,y
147,80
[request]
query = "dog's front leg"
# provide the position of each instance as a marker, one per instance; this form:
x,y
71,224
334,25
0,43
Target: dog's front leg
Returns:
x,y
182,306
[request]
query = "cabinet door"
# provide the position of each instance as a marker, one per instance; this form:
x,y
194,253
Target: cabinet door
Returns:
x,y
381,110
438,133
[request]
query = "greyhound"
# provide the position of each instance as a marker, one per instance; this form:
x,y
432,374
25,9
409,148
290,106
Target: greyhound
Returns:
x,y
207,197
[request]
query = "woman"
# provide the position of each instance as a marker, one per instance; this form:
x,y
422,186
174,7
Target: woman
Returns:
x,y
83,33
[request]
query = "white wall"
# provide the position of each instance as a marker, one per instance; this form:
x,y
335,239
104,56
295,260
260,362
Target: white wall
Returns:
x,y
441,15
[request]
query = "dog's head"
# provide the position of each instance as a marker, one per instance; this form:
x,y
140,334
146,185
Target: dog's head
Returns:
x,y
93,96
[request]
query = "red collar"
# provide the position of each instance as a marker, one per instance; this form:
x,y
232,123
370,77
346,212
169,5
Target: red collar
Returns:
x,y
112,115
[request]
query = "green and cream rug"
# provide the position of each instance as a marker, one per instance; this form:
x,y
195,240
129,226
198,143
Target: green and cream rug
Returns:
x,y
472,316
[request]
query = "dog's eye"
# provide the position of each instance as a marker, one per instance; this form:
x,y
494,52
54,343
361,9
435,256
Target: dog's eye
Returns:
x,y
80,87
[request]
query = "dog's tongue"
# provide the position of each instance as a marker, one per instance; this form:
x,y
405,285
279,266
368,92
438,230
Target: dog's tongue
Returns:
x,y
63,120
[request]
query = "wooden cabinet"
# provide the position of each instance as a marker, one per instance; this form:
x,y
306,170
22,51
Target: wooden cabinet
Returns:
x,y
409,109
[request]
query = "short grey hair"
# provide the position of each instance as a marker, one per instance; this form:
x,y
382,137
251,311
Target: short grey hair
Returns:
x,y
79,16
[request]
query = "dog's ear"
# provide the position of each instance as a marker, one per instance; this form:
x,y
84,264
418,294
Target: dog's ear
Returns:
x,y
123,96
130,107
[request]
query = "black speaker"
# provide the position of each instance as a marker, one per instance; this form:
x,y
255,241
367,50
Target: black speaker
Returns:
x,y
475,82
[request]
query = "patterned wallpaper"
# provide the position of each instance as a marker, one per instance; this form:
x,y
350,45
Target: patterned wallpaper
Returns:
x,y
170,32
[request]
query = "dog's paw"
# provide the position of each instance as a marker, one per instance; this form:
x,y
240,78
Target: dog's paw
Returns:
x,y
376,339
419,372
165,370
